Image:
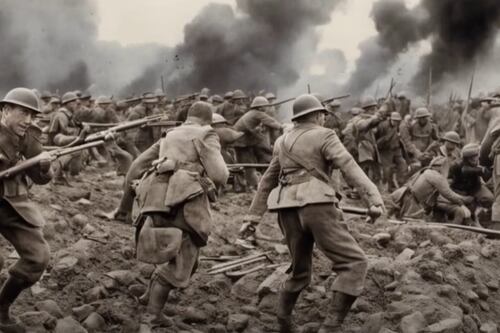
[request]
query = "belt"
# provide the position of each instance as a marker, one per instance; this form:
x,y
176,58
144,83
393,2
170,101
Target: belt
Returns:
x,y
294,179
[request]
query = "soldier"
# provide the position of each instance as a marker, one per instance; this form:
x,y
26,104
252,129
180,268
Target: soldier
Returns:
x,y
403,104
419,135
489,156
428,193
391,154
271,133
296,185
364,126
449,149
216,100
20,221
467,178
252,144
145,136
333,120
63,131
173,201
227,136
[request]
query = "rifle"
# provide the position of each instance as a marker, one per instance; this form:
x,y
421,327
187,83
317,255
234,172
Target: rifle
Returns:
x,y
26,164
429,91
186,97
467,104
282,102
122,127
248,165
130,100
329,100
391,86
164,123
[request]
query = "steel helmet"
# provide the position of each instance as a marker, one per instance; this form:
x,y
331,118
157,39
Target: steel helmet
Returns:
x,y
452,137
306,104
23,97
355,111
203,97
270,96
470,150
202,110
218,119
402,95
228,95
239,94
46,95
86,95
422,113
103,100
217,98
69,97
320,97
396,116
368,102
258,102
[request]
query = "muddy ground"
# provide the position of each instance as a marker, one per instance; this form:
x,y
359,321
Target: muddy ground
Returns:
x,y
420,279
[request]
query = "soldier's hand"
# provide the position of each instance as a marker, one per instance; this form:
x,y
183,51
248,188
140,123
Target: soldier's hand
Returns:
x,y
45,161
109,137
86,128
374,212
248,227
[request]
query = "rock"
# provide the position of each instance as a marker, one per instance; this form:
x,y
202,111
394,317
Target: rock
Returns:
x,y
373,323
217,328
137,289
361,305
79,221
447,291
488,251
471,296
237,322
127,252
488,327
452,252
64,270
190,315
38,318
268,303
146,270
67,325
470,325
403,238
386,330
245,288
49,231
50,307
37,289
439,238
75,194
250,310
56,207
219,285
83,249
82,312
96,293
281,249
61,226
492,284
471,259
94,323
273,282
124,277
311,327
482,291
484,306
425,243
88,229
84,202
382,238
413,323
451,325
405,256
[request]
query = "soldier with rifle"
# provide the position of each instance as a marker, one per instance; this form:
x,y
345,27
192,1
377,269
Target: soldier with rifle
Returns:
x,y
144,137
20,221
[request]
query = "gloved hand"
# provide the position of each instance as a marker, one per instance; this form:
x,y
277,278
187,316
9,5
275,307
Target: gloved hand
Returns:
x,y
249,225
45,161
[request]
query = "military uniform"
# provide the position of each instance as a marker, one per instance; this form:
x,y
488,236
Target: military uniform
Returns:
x,y
296,185
391,154
143,137
417,138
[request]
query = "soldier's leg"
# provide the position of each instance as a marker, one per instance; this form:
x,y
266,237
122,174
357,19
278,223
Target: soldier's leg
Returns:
x,y
349,260
122,158
386,160
401,168
495,209
34,256
300,244
240,183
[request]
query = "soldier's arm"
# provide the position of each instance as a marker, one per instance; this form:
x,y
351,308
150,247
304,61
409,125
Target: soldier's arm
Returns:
x,y
267,183
143,162
333,150
214,164
34,147
441,185
407,142
269,121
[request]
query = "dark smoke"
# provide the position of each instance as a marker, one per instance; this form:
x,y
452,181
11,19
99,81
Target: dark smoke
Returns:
x,y
461,32
464,32
265,48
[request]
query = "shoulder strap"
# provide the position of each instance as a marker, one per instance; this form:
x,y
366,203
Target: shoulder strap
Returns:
x,y
311,169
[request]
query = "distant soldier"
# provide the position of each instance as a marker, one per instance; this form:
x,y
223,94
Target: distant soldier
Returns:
x,y
252,144
467,178
227,137
449,148
173,204
84,111
364,126
20,221
333,119
296,186
391,153
403,104
272,111
216,100
418,135
63,130
144,136
428,194
349,139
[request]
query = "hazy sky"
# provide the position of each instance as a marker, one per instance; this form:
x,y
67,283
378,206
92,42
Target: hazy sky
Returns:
x,y
162,21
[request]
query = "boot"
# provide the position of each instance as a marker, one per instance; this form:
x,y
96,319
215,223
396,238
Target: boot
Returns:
x,y
10,291
158,297
337,311
286,303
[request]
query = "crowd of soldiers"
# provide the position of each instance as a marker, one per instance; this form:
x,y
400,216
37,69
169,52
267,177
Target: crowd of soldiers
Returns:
x,y
174,170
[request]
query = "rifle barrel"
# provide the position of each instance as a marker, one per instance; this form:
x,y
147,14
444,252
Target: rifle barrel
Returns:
x,y
248,165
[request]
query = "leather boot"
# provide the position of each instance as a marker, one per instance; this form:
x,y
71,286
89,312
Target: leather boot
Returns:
x,y
337,311
158,297
10,291
286,303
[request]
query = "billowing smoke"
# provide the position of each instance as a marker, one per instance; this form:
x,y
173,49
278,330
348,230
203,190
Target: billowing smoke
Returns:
x,y
263,47
460,31
53,45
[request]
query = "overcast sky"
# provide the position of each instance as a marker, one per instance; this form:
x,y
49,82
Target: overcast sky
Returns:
x,y
162,21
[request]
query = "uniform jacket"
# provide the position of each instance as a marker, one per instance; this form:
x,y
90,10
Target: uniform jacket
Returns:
x,y
466,178
195,151
100,115
416,138
490,146
248,124
295,187
15,190
429,184
143,137
388,137
229,111
62,123
364,126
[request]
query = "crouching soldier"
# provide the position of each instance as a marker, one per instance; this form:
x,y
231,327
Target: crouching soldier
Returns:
x,y
297,186
172,199
428,193
20,221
